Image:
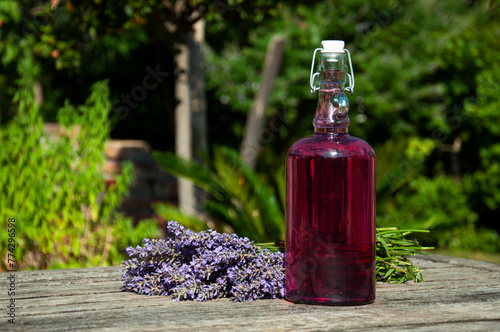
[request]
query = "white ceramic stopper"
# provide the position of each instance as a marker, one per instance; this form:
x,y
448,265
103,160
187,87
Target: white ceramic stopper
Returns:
x,y
332,46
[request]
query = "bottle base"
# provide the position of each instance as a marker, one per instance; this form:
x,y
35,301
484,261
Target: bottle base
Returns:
x,y
329,302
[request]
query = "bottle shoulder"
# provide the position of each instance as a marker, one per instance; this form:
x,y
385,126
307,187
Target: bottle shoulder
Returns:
x,y
331,146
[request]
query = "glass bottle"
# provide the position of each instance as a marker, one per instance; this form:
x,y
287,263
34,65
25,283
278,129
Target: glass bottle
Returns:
x,y
330,204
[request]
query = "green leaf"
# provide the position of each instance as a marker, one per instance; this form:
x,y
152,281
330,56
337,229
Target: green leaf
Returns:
x,y
173,213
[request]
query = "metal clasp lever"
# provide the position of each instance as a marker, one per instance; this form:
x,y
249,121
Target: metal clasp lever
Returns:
x,y
313,75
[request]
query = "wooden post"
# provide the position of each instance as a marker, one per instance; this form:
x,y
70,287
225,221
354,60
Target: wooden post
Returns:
x,y
253,129
198,100
183,125
197,83
190,113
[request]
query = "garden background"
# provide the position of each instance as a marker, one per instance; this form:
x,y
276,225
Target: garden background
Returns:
x,y
427,98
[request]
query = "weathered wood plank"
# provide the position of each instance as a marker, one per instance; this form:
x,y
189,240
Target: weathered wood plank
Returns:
x,y
458,294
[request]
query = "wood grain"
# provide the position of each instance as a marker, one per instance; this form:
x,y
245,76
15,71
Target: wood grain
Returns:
x,y
458,295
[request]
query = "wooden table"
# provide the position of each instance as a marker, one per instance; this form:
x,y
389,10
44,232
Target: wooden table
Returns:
x,y
458,295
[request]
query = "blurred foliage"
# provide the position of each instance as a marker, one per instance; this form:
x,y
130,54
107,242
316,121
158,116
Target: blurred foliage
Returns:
x,y
79,42
238,198
425,98
54,186
426,95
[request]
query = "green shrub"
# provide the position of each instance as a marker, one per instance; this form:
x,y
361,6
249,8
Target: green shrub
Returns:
x,y
54,188
441,206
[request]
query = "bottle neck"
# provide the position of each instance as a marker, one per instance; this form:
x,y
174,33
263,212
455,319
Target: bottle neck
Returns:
x,y
333,105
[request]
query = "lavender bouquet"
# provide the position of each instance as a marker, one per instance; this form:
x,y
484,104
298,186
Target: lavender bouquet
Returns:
x,y
203,266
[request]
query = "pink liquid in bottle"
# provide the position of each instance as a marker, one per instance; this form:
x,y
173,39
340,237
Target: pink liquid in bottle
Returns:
x,y
330,256
330,213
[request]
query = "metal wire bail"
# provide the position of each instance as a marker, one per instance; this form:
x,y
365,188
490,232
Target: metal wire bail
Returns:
x,y
350,75
314,88
313,75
